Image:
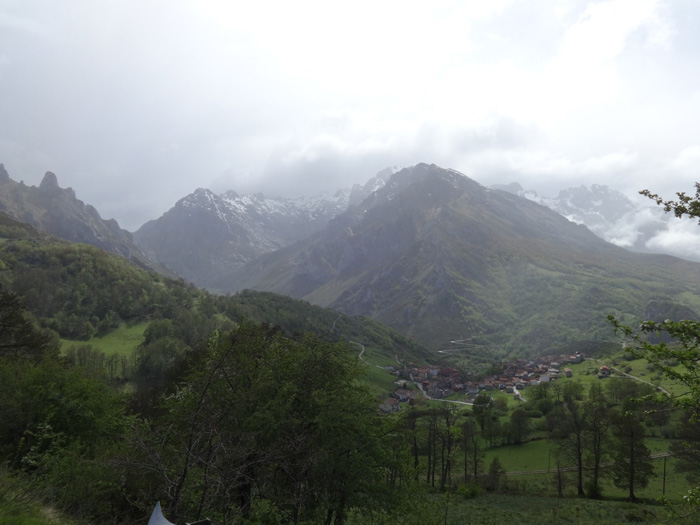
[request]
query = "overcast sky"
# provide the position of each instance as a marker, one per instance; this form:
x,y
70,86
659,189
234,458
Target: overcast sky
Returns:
x,y
135,104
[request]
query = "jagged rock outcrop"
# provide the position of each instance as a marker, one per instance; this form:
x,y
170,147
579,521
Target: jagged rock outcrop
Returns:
x,y
4,176
49,184
57,211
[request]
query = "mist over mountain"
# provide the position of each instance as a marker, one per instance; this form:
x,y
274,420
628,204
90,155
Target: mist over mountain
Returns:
x,y
206,235
639,226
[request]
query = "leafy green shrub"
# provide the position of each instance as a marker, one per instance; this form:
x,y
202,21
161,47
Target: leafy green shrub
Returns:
x,y
265,512
544,405
593,490
640,516
470,490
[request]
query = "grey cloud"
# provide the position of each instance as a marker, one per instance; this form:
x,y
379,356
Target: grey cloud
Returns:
x,y
136,104
680,238
503,134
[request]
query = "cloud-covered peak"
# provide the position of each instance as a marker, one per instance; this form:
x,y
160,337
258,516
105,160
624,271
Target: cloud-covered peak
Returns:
x,y
636,225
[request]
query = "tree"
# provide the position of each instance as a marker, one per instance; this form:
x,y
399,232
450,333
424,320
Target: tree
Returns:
x,y
596,411
685,206
632,468
492,432
263,416
59,429
18,333
687,449
684,351
571,391
679,358
473,454
433,422
483,409
685,335
519,425
494,475
541,391
448,436
568,424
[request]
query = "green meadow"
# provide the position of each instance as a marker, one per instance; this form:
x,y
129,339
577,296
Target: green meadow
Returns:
x,y
121,341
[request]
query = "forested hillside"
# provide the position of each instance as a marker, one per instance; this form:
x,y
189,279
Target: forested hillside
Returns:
x,y
80,291
224,393
255,408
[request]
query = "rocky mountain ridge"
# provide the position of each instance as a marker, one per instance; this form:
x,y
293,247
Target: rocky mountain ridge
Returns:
x,y
59,212
206,235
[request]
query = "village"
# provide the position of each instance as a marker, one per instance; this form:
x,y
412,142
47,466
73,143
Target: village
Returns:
x,y
441,383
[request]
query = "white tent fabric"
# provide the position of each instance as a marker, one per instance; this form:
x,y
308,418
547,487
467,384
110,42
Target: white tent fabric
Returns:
x,y
157,517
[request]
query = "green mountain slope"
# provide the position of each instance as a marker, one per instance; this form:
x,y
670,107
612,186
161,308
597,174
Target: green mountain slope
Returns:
x,y
440,258
81,291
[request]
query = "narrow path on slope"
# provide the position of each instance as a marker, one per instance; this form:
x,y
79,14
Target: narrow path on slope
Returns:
x,y
634,377
362,352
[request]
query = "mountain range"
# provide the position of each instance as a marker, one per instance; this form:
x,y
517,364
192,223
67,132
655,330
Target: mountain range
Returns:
x,y
461,268
441,258
205,235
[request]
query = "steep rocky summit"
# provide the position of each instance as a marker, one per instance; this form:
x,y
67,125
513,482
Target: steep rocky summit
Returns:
x,y
58,211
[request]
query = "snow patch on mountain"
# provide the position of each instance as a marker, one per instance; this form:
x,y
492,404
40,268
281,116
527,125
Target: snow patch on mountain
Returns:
x,y
206,234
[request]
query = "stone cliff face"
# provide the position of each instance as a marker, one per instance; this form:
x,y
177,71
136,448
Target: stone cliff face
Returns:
x,y
4,176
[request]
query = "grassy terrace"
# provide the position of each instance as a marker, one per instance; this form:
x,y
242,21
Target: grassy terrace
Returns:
x,y
122,341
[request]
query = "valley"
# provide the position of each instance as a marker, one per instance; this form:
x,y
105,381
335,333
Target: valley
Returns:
x,y
436,350
349,263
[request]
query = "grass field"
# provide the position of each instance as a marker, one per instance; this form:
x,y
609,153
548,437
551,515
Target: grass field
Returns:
x,y
500,509
510,401
377,357
544,484
19,507
380,381
525,509
586,372
541,455
122,341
